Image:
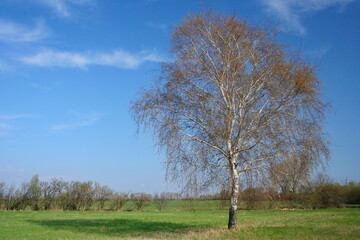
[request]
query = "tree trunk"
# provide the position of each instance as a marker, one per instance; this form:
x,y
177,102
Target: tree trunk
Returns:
x,y
234,197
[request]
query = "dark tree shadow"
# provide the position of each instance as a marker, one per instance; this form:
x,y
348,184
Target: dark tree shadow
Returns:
x,y
116,227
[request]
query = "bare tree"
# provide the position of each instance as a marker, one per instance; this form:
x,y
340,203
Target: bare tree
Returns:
x,y
10,198
2,194
58,189
47,195
102,194
291,174
232,101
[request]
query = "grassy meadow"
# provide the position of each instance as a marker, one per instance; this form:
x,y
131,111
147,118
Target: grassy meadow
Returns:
x,y
180,222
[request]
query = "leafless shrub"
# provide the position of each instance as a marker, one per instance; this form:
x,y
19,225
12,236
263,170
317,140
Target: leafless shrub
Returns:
x,y
352,192
140,200
102,194
224,197
322,193
161,201
78,196
189,204
119,200
2,195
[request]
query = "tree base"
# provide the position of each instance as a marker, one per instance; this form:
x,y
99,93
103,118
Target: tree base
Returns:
x,y
232,219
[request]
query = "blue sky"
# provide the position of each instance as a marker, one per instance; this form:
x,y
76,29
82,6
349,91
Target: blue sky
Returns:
x,y
69,70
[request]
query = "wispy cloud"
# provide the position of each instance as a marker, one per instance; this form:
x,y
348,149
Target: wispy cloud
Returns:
x,y
161,26
118,58
62,7
319,52
14,32
291,11
141,3
38,86
5,127
11,169
49,178
84,120
14,116
4,66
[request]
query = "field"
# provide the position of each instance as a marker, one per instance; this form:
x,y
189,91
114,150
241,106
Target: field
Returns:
x,y
180,222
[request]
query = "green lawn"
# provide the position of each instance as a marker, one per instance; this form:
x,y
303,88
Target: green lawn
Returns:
x,y
180,224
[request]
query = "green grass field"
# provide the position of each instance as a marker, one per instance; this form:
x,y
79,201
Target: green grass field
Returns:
x,y
177,223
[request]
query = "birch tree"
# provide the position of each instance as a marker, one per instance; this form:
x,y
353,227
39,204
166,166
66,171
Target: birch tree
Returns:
x,y
233,100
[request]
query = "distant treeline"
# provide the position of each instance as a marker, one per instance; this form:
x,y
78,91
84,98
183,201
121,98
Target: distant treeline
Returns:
x,y
58,194
319,192
313,196
61,195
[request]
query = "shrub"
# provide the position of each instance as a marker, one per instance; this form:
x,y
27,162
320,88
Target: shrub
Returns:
x,y
323,195
2,194
33,193
119,200
78,196
161,201
140,200
224,197
253,198
188,204
102,194
352,193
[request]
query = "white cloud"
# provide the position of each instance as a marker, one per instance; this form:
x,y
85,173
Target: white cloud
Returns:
x,y
118,58
290,11
85,120
62,7
14,32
